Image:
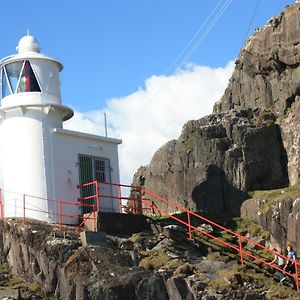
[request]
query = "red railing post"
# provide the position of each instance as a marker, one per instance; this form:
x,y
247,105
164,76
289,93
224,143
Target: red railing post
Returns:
x,y
120,198
95,218
296,275
24,209
134,201
1,206
97,196
59,214
189,224
241,249
140,201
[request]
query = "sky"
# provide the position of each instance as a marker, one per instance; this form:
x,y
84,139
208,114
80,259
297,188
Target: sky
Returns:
x,y
149,65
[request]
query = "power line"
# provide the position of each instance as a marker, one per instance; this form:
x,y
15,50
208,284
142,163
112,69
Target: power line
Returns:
x,y
178,62
192,39
204,35
252,18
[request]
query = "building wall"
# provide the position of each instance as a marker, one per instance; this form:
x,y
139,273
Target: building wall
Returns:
x,y
67,146
25,164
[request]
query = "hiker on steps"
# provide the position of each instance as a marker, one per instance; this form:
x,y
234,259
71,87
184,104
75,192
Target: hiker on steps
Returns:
x,y
290,262
280,263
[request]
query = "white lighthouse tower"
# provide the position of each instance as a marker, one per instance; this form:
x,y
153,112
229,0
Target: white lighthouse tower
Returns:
x,y
40,161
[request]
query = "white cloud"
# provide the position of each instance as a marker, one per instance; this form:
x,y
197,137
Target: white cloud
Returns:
x,y
149,117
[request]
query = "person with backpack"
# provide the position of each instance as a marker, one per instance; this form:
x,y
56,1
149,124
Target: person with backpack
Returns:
x,y
280,264
290,262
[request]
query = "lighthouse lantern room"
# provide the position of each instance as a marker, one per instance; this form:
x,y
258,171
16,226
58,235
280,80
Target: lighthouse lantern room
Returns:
x,y
40,161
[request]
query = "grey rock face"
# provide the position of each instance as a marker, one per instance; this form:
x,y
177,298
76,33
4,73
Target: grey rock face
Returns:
x,y
216,161
267,73
290,131
280,218
219,158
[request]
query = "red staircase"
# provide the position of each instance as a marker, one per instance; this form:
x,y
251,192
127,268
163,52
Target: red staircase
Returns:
x,y
143,201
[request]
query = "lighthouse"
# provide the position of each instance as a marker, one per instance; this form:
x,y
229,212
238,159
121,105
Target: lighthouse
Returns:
x,y
42,163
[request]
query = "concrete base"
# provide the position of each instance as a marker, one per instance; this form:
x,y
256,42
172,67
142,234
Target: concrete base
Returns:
x,y
116,223
89,238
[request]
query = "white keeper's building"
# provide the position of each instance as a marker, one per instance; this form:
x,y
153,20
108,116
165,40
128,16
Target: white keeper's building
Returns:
x,y
40,162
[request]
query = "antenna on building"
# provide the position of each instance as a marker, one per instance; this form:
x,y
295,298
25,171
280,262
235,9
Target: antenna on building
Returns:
x,y
28,32
105,124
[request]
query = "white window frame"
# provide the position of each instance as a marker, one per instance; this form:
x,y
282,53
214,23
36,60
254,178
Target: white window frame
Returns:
x,y
36,77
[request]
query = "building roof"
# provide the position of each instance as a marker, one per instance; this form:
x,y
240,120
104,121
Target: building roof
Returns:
x,y
83,135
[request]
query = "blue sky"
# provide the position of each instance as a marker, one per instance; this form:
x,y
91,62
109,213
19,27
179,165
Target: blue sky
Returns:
x,y
109,47
116,54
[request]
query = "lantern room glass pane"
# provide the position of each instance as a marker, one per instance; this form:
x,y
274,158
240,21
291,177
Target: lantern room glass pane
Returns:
x,y
13,71
5,86
28,81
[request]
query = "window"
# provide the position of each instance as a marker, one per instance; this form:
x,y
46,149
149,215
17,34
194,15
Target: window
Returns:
x,y
100,170
18,77
13,71
28,81
5,86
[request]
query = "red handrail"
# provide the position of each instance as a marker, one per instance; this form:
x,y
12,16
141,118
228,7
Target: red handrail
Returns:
x,y
148,204
241,238
25,208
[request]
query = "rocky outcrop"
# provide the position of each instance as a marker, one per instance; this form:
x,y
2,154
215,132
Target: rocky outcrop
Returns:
x,y
281,218
217,160
290,131
168,269
251,141
68,271
267,72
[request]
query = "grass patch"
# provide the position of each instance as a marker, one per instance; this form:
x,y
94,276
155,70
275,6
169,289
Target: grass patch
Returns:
x,y
219,285
244,225
269,197
159,259
217,256
155,260
185,269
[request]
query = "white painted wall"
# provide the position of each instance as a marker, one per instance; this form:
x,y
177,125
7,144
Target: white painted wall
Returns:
x,y
25,150
67,145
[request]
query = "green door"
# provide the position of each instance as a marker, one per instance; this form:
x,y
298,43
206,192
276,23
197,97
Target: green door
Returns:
x,y
86,174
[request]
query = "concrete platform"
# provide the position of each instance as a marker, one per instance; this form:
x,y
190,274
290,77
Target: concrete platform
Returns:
x,y
89,238
116,223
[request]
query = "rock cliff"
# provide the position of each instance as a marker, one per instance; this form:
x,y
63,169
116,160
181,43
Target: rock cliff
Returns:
x,y
250,142
252,139
278,211
164,266
267,72
217,160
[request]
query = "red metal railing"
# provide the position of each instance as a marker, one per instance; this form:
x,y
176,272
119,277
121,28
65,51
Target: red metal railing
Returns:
x,y
142,201
139,204
24,203
152,204
240,238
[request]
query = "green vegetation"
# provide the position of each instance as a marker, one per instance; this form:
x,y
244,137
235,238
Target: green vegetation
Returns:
x,y
158,259
272,196
235,276
265,117
217,256
185,269
244,225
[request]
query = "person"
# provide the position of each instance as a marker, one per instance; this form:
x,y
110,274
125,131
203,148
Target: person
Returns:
x,y
290,262
280,263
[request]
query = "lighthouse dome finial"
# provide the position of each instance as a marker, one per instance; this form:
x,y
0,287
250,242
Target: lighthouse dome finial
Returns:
x,y
28,43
